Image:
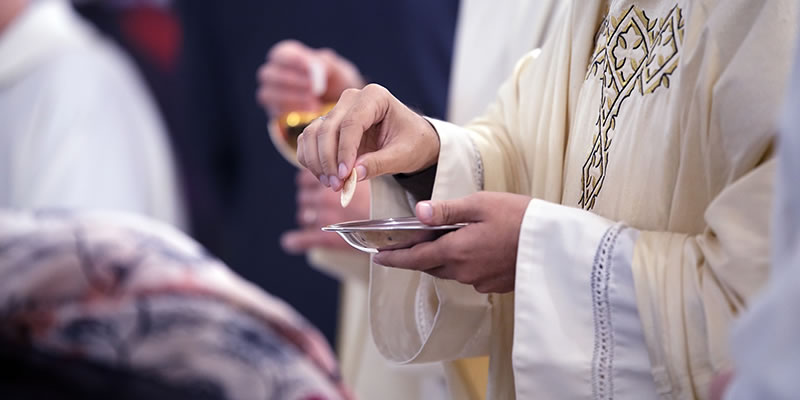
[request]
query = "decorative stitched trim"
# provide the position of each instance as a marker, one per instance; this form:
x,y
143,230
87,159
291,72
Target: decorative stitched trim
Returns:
x,y
477,171
603,358
422,315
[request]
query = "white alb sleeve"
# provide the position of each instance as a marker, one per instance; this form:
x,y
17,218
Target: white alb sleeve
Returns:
x,y
577,332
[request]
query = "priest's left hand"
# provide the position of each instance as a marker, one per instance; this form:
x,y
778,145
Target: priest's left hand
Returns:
x,y
482,254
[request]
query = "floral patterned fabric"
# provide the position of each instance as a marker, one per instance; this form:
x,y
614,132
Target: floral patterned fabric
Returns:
x,y
128,292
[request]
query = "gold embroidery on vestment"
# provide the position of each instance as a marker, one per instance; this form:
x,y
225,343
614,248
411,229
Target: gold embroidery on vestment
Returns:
x,y
633,53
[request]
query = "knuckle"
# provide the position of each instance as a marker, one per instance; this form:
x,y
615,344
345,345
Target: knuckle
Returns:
x,y
309,132
321,127
446,211
275,78
327,52
325,163
462,275
375,166
313,126
460,256
448,251
472,278
349,92
292,44
482,288
374,89
301,154
267,73
349,123
277,49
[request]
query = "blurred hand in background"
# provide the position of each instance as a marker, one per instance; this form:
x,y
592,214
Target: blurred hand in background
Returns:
x,y
299,78
318,206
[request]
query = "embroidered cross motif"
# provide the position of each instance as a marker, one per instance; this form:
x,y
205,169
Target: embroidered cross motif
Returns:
x,y
633,54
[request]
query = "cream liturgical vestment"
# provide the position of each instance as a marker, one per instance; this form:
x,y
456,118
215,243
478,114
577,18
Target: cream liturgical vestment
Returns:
x,y
486,49
644,132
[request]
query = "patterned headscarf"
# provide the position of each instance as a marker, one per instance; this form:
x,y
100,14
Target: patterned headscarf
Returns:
x,y
128,292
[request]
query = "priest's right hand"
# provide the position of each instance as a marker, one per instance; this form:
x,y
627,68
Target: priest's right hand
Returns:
x,y
371,131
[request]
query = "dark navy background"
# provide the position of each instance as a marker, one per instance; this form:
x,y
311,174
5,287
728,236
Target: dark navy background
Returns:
x,y
240,190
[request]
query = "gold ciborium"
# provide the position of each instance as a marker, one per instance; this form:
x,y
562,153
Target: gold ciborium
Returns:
x,y
284,130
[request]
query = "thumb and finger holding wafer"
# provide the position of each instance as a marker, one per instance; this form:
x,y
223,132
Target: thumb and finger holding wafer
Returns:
x,y
370,132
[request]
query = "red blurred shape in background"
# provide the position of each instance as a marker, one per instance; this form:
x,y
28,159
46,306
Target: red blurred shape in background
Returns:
x,y
155,32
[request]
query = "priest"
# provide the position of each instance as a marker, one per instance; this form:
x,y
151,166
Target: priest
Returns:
x,y
624,173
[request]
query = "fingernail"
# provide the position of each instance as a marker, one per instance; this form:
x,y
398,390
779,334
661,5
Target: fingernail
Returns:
x,y
425,211
334,182
377,258
362,172
323,179
342,171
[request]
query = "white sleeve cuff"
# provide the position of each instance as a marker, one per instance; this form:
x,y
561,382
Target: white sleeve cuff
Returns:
x,y
460,169
577,327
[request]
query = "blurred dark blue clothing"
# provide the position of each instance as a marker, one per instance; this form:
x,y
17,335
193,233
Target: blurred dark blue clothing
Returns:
x,y
240,191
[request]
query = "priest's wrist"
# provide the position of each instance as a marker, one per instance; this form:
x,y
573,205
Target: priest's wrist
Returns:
x,y
420,183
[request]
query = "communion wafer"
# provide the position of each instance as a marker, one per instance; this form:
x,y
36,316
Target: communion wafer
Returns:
x,y
349,188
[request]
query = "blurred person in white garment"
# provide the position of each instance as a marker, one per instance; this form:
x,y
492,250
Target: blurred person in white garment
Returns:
x,y
79,129
766,341
490,39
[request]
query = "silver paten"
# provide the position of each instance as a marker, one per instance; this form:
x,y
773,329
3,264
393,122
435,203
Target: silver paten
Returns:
x,y
375,235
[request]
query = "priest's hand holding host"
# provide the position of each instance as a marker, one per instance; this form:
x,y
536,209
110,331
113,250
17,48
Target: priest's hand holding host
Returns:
x,y
372,132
